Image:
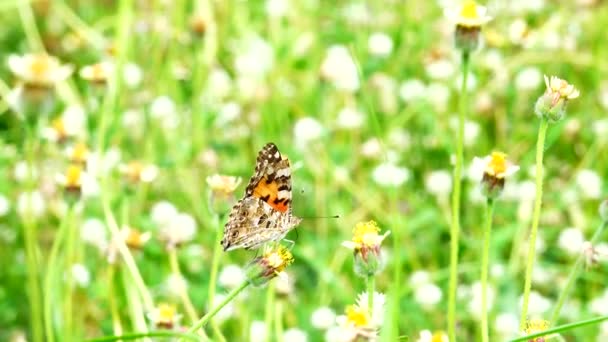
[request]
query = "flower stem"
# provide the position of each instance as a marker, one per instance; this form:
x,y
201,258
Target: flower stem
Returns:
x,y
573,275
183,290
455,223
215,264
278,322
540,148
205,319
484,269
116,323
269,310
371,288
68,300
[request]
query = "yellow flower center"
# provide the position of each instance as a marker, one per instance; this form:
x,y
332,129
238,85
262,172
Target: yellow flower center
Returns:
x,y
98,72
366,233
59,127
134,170
438,336
497,164
357,316
469,10
40,65
536,325
79,153
279,259
134,238
73,176
166,312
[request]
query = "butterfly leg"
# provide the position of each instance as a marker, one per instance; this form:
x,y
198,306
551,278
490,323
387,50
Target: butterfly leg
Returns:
x,y
290,243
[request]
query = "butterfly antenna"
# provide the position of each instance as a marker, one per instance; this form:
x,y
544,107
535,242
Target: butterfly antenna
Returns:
x,y
320,217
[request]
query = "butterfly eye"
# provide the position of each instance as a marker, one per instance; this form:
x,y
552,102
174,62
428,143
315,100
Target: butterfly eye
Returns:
x,y
234,234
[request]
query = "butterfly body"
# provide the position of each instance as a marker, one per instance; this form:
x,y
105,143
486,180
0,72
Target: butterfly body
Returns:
x,y
264,214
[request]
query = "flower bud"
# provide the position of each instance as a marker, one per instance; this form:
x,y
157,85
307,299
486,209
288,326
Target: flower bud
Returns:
x,y
272,263
552,104
366,244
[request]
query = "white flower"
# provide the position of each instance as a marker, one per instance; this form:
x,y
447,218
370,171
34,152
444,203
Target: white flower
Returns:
x,y
468,14
506,324
589,183
419,278
226,312
411,90
5,205
231,276
132,75
428,336
380,44
254,58
22,171
390,175
439,183
323,318
474,305
176,285
277,8
38,70
528,79
307,129
599,305
471,82
93,232
350,118
99,72
258,332
537,304
377,314
440,69
219,84
399,138
340,69
438,94
81,275
228,113
371,148
527,190
295,335
71,123
102,164
164,110
31,203
571,240
163,212
428,295
180,229
494,165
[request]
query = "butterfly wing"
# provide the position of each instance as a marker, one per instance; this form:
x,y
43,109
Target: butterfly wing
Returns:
x,y
271,181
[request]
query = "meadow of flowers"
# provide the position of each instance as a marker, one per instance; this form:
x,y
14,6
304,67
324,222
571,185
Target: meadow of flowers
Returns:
x,y
448,161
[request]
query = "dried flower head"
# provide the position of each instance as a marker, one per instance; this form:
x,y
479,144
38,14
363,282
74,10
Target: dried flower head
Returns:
x,y
366,243
552,104
495,168
164,316
269,265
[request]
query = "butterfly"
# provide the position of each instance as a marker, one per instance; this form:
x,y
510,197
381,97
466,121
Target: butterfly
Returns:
x,y
264,213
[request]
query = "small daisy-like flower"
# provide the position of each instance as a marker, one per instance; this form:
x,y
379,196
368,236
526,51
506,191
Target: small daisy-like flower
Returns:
x,y
535,326
428,336
358,323
496,168
164,316
340,69
469,17
272,263
38,71
70,124
137,172
180,229
552,104
323,318
71,181
134,238
78,153
98,73
223,186
366,244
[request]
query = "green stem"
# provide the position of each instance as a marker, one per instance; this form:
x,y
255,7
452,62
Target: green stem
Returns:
x,y
68,312
50,276
137,336
205,319
484,269
540,149
455,223
574,274
215,265
278,323
183,291
269,309
116,323
560,329
371,288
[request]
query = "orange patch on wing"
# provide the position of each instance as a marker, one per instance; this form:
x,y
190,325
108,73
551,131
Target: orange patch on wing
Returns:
x,y
269,192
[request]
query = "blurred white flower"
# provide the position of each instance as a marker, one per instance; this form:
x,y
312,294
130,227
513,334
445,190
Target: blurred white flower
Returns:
x,y
518,32
22,171
350,118
440,69
527,190
471,82
439,183
600,130
529,78
411,90
377,314
164,110
603,95
254,57
323,318
93,232
537,304
468,14
419,278
228,113
231,276
357,13
97,73
137,172
219,84
5,205
599,304
307,129
471,130
474,305
506,324
163,212
176,285
31,203
371,148
438,94
226,312
589,183
132,75
303,44
98,164
399,138
38,70
71,123
295,335
340,69
81,275
180,229
390,175
380,44
428,295
277,8
571,240
258,332
428,336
